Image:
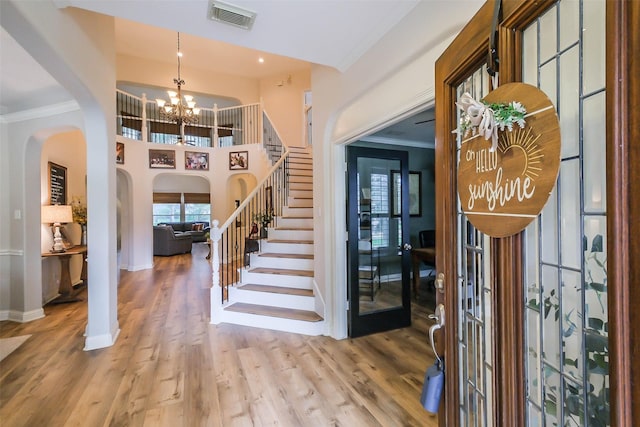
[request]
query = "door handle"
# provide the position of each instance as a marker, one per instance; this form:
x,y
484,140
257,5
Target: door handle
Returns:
x,y
438,316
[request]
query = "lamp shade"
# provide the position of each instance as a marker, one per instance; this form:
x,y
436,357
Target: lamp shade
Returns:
x,y
57,214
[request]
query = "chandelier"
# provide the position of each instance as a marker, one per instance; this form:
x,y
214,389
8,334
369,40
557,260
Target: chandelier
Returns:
x,y
177,110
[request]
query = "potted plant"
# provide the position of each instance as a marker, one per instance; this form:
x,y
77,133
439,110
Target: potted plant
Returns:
x,y
79,210
264,218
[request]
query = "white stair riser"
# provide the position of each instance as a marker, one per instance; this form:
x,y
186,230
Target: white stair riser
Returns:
x,y
287,248
301,179
295,222
296,302
297,212
286,281
273,323
301,186
305,194
300,203
277,234
276,262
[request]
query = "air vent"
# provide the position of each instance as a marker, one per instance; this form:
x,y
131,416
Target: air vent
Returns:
x,y
230,14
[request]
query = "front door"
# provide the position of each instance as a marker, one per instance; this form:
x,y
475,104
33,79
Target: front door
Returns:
x,y
529,317
378,249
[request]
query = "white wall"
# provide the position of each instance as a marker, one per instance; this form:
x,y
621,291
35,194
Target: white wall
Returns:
x,y
394,78
77,48
137,253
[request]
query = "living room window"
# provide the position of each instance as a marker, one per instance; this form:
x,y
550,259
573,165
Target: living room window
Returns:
x,y
181,207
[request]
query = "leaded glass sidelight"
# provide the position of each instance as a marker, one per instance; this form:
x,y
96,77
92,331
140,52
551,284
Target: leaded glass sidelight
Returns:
x,y
565,274
475,293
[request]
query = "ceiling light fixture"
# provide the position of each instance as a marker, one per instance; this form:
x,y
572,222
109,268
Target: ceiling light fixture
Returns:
x,y
176,110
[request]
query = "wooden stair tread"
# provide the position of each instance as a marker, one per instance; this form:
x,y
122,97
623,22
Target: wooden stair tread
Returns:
x,y
297,217
293,256
294,242
294,228
285,313
277,290
282,271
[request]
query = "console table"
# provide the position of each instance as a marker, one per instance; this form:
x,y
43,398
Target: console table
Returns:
x,y
65,289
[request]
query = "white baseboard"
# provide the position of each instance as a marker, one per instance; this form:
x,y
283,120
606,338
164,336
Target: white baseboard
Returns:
x,y
21,316
140,267
101,341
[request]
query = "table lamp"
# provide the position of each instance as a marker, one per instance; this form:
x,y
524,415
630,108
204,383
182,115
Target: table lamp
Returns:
x,y
56,215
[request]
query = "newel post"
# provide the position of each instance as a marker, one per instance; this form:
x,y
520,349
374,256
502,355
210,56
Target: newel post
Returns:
x,y
143,127
216,289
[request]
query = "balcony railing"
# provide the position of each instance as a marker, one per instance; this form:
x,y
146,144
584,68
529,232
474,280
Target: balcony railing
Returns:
x,y
139,118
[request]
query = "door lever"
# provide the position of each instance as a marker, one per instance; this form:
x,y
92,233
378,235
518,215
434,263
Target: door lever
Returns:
x,y
438,316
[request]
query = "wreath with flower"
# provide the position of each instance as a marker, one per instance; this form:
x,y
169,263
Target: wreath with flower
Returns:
x,y
482,118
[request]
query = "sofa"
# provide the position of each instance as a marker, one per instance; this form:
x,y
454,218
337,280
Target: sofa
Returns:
x,y
167,243
197,230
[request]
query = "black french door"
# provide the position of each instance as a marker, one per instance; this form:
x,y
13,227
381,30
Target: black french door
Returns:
x,y
379,253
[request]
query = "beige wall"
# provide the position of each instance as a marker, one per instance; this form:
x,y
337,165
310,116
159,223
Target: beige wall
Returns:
x,y
283,98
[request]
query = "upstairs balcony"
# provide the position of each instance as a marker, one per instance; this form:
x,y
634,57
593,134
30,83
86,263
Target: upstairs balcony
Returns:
x,y
139,118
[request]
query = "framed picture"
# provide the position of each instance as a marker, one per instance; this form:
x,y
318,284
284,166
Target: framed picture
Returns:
x,y
162,159
57,184
194,160
238,160
120,153
415,193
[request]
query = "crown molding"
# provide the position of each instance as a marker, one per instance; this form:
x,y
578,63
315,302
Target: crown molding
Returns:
x,y
39,112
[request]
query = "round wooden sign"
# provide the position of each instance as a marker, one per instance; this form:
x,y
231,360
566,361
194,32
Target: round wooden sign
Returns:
x,y
502,191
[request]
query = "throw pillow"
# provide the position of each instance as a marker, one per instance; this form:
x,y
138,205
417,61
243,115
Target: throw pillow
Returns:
x,y
198,226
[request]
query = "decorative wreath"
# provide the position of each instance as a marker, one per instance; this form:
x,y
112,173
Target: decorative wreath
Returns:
x,y
485,119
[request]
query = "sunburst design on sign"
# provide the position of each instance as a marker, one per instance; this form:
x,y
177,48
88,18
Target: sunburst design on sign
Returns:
x,y
525,141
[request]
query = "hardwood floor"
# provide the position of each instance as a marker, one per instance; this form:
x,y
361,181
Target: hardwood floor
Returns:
x,y
170,367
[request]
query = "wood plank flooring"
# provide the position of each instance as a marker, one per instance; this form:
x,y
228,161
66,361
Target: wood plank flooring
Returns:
x,y
170,367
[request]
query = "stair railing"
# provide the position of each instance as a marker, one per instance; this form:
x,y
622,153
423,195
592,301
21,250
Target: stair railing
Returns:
x,y
139,118
244,231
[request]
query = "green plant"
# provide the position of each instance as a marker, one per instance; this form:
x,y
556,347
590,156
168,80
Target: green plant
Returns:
x,y
79,210
263,217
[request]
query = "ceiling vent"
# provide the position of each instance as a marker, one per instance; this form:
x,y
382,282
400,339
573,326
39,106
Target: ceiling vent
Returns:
x,y
230,14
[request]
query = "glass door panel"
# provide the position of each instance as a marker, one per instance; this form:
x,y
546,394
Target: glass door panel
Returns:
x,y
378,261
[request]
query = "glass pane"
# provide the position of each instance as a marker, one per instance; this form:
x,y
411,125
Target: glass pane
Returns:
x,y
597,355
595,268
534,416
593,52
379,261
572,323
531,266
548,81
571,241
550,229
552,401
533,359
573,404
548,35
569,103
594,146
551,315
569,23
530,61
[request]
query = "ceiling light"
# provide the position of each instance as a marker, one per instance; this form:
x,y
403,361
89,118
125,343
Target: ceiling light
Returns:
x,y
176,110
261,60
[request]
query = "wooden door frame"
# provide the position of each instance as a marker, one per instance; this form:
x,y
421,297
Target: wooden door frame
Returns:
x,y
463,56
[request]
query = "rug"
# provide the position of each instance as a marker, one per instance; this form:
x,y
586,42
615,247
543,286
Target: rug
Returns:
x,y
8,345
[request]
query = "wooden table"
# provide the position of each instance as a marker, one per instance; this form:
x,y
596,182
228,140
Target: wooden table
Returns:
x,y
418,255
65,289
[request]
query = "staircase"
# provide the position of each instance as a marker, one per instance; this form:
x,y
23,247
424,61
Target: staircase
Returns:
x,y
276,290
